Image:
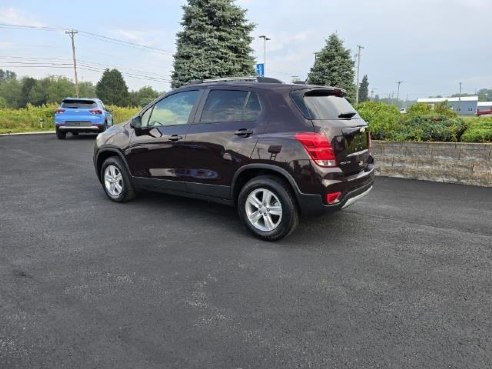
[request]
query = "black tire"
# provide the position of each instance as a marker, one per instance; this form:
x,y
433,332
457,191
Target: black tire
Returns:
x,y
61,134
282,196
127,192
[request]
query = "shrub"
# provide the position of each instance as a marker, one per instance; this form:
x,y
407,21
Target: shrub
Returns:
x,y
122,114
383,119
421,123
27,119
479,130
432,127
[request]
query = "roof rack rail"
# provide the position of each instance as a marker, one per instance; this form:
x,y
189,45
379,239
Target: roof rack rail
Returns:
x,y
243,79
230,79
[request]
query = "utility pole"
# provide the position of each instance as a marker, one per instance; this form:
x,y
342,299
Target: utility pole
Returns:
x,y
358,67
460,93
72,34
265,39
398,93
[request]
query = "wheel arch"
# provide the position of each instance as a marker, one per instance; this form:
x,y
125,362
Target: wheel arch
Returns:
x,y
248,172
105,153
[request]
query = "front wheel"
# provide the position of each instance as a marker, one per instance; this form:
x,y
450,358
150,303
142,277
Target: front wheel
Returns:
x,y
267,207
116,180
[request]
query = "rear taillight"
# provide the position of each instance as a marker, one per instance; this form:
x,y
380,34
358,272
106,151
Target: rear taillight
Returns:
x,y
59,111
96,111
333,198
318,147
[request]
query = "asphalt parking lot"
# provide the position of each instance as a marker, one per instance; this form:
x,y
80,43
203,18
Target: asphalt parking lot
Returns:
x,y
402,279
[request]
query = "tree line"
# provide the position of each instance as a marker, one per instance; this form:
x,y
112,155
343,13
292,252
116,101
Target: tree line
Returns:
x,y
112,89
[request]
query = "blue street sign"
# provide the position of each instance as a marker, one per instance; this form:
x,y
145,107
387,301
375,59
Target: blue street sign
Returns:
x,y
260,70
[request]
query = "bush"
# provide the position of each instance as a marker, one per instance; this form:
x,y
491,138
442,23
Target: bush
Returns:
x,y
421,123
122,114
432,127
31,118
479,130
383,119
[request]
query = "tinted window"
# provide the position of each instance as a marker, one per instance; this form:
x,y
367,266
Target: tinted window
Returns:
x,y
78,104
323,105
172,110
231,106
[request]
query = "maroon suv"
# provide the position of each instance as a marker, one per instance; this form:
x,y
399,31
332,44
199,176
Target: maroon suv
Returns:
x,y
273,150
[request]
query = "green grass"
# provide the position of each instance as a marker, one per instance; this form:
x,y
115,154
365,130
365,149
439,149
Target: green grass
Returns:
x,y
41,118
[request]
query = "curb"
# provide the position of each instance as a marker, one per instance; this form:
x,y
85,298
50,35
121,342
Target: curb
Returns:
x,y
27,133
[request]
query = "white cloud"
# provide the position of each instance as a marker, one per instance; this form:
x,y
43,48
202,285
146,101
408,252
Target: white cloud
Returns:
x,y
13,16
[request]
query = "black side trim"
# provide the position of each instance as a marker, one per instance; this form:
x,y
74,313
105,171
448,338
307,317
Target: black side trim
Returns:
x,y
180,188
209,190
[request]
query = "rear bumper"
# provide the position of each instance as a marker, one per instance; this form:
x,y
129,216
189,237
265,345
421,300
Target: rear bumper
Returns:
x,y
79,129
353,189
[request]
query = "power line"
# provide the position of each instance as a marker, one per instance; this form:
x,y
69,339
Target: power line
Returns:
x,y
90,35
54,62
123,42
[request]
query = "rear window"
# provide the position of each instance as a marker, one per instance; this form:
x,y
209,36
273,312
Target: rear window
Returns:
x,y
78,104
324,105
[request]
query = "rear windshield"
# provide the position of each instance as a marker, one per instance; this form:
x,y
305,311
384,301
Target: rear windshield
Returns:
x,y
78,104
324,105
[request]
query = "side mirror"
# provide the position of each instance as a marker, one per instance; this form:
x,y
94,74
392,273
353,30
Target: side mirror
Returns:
x,y
136,122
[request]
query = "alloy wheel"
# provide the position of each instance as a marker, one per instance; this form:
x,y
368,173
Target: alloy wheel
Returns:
x,y
263,209
113,180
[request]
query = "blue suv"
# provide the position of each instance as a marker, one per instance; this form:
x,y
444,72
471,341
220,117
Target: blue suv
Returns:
x,y
76,115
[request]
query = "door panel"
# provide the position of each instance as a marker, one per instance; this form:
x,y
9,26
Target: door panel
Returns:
x,y
157,149
221,141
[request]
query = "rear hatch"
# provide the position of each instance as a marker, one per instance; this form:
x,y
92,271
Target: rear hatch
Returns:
x,y
79,112
334,117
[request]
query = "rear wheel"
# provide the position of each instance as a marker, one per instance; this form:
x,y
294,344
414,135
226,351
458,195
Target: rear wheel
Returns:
x,y
61,134
116,180
267,207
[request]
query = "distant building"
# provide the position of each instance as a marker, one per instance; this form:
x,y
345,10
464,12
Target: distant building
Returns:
x,y
465,105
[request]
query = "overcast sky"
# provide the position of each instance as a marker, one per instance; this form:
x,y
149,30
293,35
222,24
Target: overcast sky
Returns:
x,y
430,45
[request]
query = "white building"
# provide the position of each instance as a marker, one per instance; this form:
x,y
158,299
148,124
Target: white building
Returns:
x,y
465,105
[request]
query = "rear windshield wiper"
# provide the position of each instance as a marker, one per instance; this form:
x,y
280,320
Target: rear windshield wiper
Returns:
x,y
347,114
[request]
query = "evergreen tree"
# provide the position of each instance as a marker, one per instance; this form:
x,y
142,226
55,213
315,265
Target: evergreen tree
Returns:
x,y
364,89
334,67
215,42
112,89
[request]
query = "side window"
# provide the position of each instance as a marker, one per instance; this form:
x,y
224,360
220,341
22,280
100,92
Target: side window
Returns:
x,y
230,106
171,110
